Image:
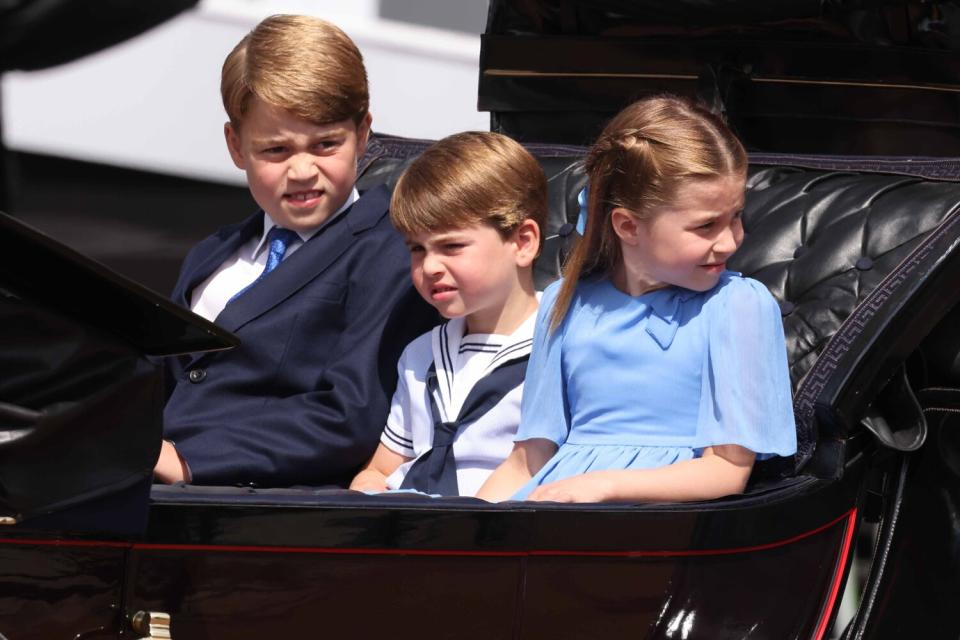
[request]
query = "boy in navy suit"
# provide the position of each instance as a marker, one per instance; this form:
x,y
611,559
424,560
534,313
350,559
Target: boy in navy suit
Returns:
x,y
314,285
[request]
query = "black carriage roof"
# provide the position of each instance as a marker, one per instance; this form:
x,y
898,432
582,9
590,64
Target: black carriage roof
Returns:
x,y
798,76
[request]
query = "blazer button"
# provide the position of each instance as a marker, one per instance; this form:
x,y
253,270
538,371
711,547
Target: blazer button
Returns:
x,y
197,375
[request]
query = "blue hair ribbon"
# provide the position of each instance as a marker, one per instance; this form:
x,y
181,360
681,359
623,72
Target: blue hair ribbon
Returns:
x,y
582,216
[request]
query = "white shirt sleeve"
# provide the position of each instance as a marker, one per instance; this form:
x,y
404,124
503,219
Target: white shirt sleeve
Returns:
x,y
398,433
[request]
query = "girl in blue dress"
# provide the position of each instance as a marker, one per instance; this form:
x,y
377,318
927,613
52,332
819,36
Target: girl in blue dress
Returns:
x,y
656,374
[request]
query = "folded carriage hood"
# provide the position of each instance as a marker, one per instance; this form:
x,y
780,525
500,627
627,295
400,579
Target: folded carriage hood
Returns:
x,y
80,404
803,76
46,274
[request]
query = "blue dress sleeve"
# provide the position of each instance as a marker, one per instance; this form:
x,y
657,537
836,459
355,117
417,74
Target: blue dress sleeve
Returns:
x,y
544,411
746,396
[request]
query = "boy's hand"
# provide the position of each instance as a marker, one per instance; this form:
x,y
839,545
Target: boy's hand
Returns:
x,y
170,466
373,477
369,480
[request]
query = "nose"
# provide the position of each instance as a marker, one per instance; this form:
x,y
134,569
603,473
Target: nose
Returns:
x,y
432,265
302,167
729,239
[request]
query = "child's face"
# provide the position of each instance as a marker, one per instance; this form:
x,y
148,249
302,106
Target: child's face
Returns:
x,y
687,243
472,271
300,173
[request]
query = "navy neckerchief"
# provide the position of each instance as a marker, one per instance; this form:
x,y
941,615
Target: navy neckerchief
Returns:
x,y
435,472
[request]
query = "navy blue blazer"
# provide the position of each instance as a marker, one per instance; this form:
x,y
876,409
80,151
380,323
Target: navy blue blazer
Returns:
x,y
303,399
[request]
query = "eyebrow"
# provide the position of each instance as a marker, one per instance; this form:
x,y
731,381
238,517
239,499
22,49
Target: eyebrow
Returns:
x,y
438,239
338,131
707,217
280,140
450,236
269,141
710,217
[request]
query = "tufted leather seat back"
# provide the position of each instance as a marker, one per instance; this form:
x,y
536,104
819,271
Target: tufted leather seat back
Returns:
x,y
821,240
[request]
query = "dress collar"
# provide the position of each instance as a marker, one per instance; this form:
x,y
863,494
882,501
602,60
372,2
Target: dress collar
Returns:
x,y
665,314
664,319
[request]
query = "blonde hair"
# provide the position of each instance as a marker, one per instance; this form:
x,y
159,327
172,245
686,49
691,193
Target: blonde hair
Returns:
x,y
302,64
640,162
470,178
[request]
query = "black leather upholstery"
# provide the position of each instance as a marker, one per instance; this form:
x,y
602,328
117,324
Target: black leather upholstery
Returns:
x,y
820,239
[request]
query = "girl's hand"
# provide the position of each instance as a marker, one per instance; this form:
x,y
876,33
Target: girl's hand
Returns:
x,y
722,470
527,457
586,487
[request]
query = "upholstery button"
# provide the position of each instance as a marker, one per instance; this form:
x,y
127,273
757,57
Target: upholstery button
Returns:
x,y
864,264
786,308
565,230
197,375
802,249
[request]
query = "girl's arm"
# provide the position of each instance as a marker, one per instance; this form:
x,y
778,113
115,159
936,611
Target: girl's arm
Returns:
x,y
527,457
722,470
373,477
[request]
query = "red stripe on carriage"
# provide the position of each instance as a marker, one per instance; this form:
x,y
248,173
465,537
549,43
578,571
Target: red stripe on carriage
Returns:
x,y
825,614
147,546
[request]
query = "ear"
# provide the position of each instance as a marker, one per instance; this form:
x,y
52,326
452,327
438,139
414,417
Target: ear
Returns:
x,y
625,225
527,239
232,137
363,134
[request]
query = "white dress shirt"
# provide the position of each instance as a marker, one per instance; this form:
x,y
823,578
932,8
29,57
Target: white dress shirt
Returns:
x,y
245,265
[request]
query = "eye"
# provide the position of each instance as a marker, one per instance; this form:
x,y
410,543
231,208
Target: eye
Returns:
x,y
415,248
451,247
706,225
327,145
274,151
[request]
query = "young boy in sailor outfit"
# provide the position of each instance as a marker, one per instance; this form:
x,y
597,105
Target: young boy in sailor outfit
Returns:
x,y
471,208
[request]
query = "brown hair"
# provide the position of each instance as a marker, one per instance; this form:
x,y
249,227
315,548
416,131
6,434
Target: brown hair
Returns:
x,y
299,63
470,178
641,160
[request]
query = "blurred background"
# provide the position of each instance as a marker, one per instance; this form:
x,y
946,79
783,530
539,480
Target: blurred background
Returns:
x,y
119,152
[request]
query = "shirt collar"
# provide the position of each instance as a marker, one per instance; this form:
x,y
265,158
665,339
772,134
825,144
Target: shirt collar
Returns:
x,y
268,223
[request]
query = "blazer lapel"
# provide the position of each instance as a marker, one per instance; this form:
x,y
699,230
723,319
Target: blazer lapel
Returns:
x,y
310,260
231,239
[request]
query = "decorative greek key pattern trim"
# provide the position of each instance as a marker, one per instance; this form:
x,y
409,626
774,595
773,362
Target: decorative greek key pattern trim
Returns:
x,y
839,345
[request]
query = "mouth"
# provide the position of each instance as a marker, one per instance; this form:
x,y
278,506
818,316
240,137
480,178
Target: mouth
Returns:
x,y
441,292
715,267
302,198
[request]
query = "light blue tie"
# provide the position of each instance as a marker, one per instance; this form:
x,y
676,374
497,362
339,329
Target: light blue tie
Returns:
x,y
278,241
